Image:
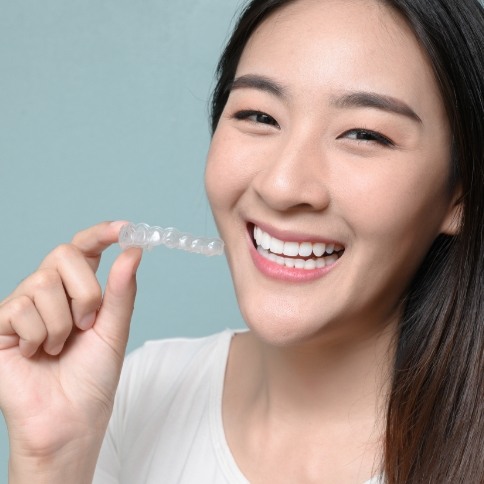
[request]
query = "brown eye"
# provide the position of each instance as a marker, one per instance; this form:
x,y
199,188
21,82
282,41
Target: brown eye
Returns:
x,y
367,135
256,117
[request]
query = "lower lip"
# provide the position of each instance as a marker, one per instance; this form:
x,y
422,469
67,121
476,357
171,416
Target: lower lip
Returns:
x,y
274,270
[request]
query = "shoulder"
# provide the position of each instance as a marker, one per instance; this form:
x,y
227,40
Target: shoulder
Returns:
x,y
158,366
175,353
162,376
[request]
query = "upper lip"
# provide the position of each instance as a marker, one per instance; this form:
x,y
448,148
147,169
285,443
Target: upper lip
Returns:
x,y
291,236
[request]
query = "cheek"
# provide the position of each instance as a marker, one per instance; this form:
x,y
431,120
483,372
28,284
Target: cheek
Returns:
x,y
213,185
401,206
228,172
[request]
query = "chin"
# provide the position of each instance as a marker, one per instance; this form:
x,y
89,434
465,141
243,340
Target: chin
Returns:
x,y
282,328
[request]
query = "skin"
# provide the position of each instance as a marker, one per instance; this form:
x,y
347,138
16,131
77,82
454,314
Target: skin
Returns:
x,y
313,370
321,350
55,435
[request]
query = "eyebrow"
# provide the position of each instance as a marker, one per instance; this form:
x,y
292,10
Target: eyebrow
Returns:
x,y
261,83
357,99
363,99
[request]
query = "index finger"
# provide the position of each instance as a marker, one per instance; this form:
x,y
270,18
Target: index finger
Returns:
x,y
90,243
93,241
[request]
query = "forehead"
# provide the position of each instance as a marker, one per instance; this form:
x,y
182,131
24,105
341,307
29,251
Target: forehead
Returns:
x,y
339,45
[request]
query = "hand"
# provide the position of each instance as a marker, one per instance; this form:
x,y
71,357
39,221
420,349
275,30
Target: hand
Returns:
x,y
62,346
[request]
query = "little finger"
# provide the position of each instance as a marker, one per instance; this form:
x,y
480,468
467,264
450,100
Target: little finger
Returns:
x,y
19,316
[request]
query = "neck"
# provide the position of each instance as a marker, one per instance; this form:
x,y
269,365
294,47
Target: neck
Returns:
x,y
324,382
318,408
332,381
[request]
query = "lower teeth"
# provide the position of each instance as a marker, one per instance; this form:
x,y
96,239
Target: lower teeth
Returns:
x,y
308,264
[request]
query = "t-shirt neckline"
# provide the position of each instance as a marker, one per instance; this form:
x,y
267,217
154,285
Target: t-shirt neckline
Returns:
x,y
222,450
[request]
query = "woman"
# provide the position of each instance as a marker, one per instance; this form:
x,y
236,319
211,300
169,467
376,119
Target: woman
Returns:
x,y
345,175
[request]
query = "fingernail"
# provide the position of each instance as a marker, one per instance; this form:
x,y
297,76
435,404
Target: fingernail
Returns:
x,y
27,348
118,223
56,350
87,321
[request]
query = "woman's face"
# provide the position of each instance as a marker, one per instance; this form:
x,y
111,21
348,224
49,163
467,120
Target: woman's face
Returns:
x,y
334,138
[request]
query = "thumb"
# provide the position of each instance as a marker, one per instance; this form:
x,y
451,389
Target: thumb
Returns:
x,y
114,317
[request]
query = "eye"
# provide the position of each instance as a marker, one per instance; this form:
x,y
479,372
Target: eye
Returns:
x,y
368,136
257,117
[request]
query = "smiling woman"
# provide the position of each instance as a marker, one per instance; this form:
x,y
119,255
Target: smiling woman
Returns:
x,y
399,186
336,154
345,175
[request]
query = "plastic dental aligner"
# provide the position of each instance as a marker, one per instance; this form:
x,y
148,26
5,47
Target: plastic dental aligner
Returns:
x,y
145,237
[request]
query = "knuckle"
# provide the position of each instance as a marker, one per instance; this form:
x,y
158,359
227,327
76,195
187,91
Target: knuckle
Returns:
x,y
91,296
77,237
66,251
59,330
45,279
35,334
24,322
19,306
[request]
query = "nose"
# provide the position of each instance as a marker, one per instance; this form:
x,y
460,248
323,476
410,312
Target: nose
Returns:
x,y
294,177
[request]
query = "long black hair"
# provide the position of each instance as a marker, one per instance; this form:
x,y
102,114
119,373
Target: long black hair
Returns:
x,y
435,413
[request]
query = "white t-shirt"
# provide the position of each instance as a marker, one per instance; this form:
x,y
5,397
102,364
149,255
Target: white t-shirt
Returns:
x,y
167,420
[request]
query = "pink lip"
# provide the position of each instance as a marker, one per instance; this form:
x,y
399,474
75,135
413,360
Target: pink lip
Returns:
x,y
283,273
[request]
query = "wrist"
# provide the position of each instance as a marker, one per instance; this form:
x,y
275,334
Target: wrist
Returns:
x,y
74,462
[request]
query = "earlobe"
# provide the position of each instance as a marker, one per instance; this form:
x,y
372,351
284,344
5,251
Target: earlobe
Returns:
x,y
452,222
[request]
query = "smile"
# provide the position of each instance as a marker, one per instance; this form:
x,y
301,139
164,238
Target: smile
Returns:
x,y
297,255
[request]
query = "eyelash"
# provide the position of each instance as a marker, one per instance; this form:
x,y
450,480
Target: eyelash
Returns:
x,y
374,136
246,114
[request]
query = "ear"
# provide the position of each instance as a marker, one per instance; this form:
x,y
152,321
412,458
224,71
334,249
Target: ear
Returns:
x,y
452,221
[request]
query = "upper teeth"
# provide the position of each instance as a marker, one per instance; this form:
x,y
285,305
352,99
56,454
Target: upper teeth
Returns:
x,y
292,249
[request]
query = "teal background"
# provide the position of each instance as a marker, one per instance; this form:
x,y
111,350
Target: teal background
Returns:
x,y
103,115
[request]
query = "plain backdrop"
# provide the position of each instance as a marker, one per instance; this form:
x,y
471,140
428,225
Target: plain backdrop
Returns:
x,y
104,116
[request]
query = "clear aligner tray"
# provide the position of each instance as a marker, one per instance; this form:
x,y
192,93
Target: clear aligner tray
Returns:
x,y
145,237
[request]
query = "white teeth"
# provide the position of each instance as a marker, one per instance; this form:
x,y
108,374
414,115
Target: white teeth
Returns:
x,y
291,249
309,264
320,263
280,260
257,234
277,248
265,241
319,249
305,249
